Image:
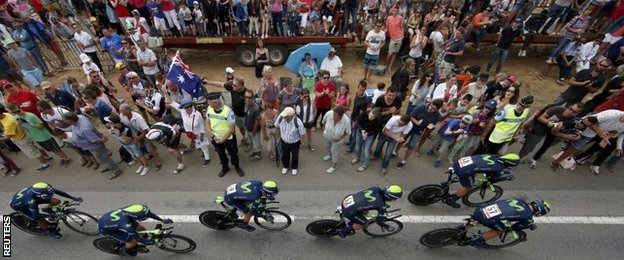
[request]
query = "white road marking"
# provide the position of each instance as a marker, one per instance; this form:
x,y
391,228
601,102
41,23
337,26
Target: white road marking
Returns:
x,y
429,219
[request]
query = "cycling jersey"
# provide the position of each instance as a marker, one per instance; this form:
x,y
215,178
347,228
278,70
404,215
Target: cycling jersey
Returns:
x,y
239,194
121,226
356,205
495,215
27,202
467,167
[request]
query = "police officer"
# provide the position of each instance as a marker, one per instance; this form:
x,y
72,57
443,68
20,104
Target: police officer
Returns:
x,y
221,125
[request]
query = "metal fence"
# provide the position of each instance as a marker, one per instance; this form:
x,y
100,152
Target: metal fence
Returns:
x,y
71,51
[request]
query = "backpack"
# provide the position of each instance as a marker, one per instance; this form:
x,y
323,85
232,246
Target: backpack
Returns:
x,y
279,121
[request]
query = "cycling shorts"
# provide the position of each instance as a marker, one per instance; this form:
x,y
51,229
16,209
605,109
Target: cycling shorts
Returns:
x,y
466,180
492,223
354,217
118,234
238,204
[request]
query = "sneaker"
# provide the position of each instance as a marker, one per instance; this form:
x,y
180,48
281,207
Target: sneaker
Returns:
x,y
133,162
246,227
533,164
294,172
284,171
206,163
437,164
430,153
327,158
595,169
55,234
16,171
239,171
65,162
145,170
520,53
401,164
393,155
42,167
311,148
384,171
523,53
140,169
178,169
452,202
610,167
554,167
331,170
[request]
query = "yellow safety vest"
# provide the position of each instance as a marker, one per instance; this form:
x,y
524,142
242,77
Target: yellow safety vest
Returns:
x,y
218,122
506,128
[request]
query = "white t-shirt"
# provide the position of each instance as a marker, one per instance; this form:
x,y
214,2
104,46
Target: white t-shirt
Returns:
x,y
376,94
416,52
393,126
332,65
198,15
185,13
90,67
608,120
440,89
148,55
57,118
437,38
85,39
139,89
375,39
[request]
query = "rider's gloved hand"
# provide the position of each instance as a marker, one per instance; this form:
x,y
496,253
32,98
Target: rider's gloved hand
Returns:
x,y
533,227
78,199
167,221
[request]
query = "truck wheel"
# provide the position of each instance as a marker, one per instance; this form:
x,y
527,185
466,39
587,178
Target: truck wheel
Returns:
x,y
246,55
277,54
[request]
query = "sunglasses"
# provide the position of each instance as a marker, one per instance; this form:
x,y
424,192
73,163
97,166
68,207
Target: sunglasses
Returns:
x,y
305,96
325,77
124,43
248,97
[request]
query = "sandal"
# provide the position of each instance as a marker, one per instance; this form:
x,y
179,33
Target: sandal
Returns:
x,y
96,166
354,161
158,166
114,175
361,169
84,162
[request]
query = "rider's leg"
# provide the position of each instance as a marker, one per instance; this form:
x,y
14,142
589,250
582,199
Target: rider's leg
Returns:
x,y
461,192
491,234
247,217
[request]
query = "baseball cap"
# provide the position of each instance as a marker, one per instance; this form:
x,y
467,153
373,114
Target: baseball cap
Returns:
x,y
84,58
467,119
4,83
512,78
229,70
289,111
45,85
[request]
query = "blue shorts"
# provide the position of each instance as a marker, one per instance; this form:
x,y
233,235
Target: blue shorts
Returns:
x,y
118,234
239,204
134,150
354,217
413,141
34,77
370,61
491,223
24,211
466,180
582,142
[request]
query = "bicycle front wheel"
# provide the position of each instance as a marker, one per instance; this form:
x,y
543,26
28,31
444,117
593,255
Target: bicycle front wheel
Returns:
x,y
425,195
82,223
505,240
375,230
216,219
177,244
274,220
107,245
482,195
323,227
440,237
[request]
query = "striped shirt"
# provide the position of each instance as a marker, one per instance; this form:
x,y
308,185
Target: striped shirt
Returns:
x,y
289,132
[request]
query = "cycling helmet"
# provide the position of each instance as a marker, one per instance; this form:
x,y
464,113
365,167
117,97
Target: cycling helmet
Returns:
x,y
393,192
270,188
540,207
509,160
137,212
154,134
42,191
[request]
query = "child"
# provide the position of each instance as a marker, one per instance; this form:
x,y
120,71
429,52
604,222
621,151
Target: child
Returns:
x,y
186,14
269,133
306,112
379,91
123,133
199,19
315,18
343,98
466,142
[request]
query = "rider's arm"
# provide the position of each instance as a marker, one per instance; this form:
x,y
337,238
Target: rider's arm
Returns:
x,y
65,194
154,216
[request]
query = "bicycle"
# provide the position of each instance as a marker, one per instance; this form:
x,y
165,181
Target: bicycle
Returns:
x,y
327,227
485,191
462,236
162,237
268,218
78,221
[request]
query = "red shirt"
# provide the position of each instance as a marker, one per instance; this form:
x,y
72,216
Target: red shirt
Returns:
x,y
325,101
26,100
616,102
395,26
306,9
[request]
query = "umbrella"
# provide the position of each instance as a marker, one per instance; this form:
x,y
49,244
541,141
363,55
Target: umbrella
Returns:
x,y
318,51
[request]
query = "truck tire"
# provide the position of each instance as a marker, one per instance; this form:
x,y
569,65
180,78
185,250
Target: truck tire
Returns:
x,y
246,55
277,54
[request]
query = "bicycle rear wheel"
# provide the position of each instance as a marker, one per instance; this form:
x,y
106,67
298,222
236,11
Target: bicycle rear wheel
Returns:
x,y
323,227
107,245
216,219
425,195
177,244
82,223
375,230
505,240
275,220
482,195
23,223
440,237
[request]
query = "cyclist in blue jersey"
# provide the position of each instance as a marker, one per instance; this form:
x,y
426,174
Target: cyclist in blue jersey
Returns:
x,y
123,225
245,193
495,167
514,214
356,206
36,202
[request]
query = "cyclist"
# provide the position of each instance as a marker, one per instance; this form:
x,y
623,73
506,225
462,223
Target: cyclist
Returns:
x,y
36,203
242,194
123,225
356,206
498,215
494,167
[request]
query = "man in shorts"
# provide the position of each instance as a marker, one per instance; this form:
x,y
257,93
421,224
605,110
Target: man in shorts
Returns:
x,y
375,39
26,63
394,25
8,70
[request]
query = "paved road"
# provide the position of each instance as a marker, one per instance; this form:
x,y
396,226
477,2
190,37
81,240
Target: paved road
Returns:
x,y
313,193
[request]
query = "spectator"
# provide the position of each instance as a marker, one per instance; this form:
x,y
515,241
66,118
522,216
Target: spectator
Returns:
x,y
587,53
199,25
612,97
401,78
87,65
25,99
389,104
566,60
121,10
420,90
470,139
100,108
168,132
168,7
361,104
306,111
531,27
59,97
498,85
153,103
252,124
11,167
510,95
262,56
130,57
325,92
111,42
368,127
505,126
13,130
141,7
269,134
158,17
480,22
422,117
291,131
343,99
86,137
237,90
378,92
558,13
185,13
394,25
221,124
505,39
292,11
53,116
337,127
8,70
350,8
276,16
25,63
27,40
438,39
584,82
574,29
87,44
289,96
254,9
446,90
139,128
375,40
476,89
333,65
417,44
452,131
125,136
395,131
452,52
268,88
46,37
266,24
147,59
308,70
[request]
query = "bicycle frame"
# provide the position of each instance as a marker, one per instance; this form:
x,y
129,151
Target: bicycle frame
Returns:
x,y
157,233
471,223
371,220
229,209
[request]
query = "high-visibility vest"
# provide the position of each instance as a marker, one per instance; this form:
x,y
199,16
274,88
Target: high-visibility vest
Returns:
x,y
218,122
506,128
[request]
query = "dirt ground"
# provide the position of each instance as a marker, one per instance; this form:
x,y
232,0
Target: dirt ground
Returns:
x,y
529,70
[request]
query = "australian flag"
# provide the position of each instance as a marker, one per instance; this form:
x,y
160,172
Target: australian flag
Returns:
x,y
181,75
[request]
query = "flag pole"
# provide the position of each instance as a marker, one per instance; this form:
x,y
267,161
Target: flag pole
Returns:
x,y
172,62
